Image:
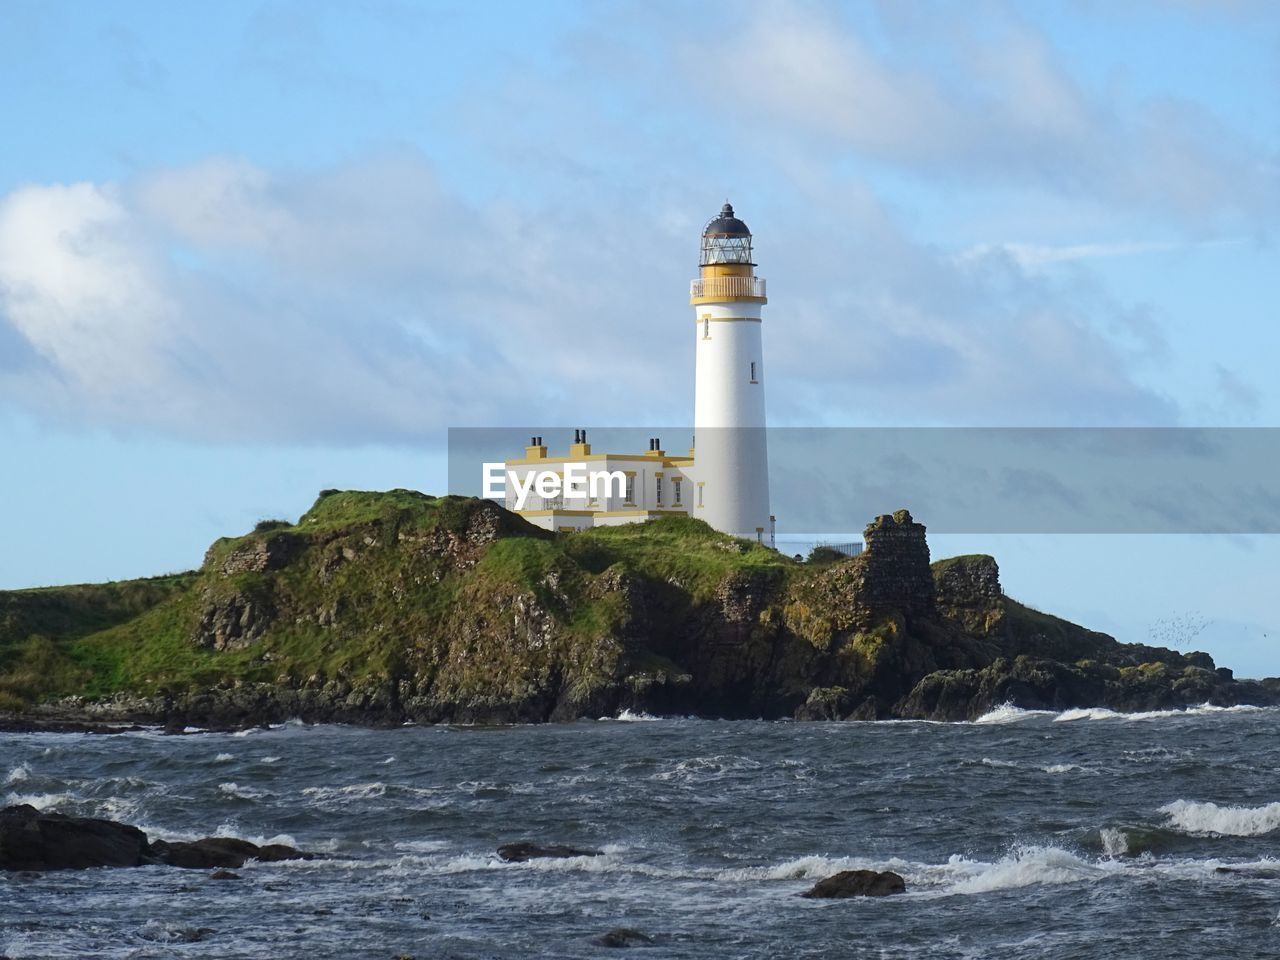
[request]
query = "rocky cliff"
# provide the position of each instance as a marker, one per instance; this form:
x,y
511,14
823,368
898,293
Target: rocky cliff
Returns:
x,y
382,608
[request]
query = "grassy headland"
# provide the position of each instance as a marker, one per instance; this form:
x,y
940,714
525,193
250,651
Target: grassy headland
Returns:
x,y
384,606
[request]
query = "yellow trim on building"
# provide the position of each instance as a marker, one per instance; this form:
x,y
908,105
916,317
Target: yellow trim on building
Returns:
x,y
708,270
698,301
596,457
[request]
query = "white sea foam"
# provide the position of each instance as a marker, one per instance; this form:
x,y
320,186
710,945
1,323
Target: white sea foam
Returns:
x,y
1192,817
41,801
627,716
1024,866
989,762
18,774
155,832
1115,842
234,789
1068,768
224,758
1202,710
1087,713
230,828
355,791
702,769
109,807
1008,713
271,759
421,846
814,867
1027,866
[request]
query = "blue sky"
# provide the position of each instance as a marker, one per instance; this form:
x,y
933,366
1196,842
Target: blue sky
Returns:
x,y
252,250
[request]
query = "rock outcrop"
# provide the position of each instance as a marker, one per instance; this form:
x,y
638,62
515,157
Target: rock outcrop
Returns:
x,y
220,852
32,839
525,850
395,607
857,883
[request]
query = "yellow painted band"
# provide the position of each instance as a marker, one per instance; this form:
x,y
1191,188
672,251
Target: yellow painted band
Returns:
x,y
697,300
596,457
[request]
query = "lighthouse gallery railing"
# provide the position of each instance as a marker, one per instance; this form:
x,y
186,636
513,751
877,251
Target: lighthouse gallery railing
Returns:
x,y
727,287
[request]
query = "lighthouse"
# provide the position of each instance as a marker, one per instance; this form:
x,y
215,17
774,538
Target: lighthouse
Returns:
x,y
731,451
724,480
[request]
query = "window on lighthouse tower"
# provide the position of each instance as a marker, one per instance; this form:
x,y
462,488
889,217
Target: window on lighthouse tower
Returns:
x,y
753,372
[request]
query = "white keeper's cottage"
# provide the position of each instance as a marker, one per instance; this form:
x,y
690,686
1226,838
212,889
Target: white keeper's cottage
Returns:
x,y
724,479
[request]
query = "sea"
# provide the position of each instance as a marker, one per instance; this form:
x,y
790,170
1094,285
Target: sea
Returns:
x,y
1083,834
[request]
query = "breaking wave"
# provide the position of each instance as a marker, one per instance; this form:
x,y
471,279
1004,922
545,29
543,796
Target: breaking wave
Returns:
x,y
706,769
628,716
1209,818
1008,713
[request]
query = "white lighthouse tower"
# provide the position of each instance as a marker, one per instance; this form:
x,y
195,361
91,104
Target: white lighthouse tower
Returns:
x,y
725,479
731,455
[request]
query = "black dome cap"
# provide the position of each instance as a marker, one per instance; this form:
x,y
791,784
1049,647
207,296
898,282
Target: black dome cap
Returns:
x,y
726,225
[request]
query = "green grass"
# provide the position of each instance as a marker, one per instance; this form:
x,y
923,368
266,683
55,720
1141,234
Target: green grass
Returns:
x,y
674,549
396,597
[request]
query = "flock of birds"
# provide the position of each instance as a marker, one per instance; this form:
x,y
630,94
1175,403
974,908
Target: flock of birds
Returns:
x,y
1178,630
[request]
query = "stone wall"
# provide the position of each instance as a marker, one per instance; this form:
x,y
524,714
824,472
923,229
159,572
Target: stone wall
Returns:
x,y
895,573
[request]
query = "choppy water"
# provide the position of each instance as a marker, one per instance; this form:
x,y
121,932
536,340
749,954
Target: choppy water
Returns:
x,y
1023,835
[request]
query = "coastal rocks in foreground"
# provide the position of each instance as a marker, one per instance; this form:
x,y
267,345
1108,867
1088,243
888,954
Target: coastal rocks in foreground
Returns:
x,y
32,839
524,851
221,852
857,883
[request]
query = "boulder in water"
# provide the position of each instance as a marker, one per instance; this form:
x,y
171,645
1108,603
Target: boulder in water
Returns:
x,y
520,852
857,883
275,852
623,937
1251,874
31,839
204,854
34,840
221,852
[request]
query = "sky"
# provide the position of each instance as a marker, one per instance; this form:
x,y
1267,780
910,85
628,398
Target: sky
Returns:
x,y
249,251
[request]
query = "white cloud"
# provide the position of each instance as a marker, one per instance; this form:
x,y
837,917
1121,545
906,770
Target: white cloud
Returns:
x,y
80,288
979,97
1032,255
367,302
